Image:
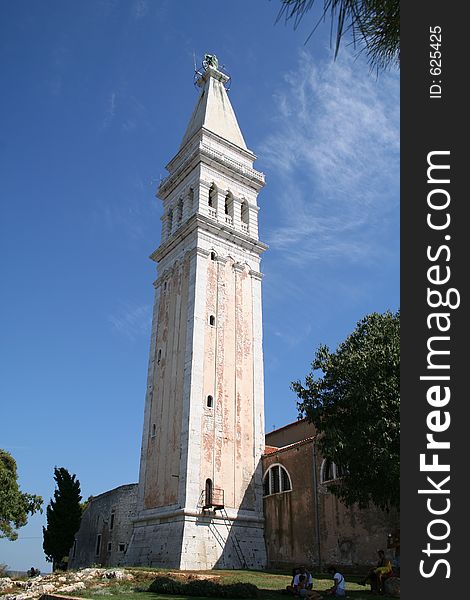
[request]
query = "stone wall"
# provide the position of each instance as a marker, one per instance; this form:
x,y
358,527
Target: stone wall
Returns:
x,y
106,529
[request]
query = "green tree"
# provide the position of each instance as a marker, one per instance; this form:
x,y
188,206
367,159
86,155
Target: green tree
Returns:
x,y
352,396
64,514
373,24
15,506
85,503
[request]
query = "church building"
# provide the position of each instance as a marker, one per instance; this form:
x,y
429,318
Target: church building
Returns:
x,y
199,500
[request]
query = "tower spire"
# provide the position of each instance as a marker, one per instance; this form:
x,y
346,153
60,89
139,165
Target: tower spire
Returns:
x,y
213,110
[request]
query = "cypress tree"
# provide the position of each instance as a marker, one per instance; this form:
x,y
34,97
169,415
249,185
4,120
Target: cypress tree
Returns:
x,y
64,514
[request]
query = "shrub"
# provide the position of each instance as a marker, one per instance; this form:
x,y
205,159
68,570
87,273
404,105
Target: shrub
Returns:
x,y
203,587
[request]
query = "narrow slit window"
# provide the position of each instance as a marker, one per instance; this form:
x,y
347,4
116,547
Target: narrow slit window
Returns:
x,y
208,492
210,401
212,320
159,356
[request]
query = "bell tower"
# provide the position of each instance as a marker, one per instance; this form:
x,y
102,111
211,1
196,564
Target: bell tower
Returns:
x,y
200,482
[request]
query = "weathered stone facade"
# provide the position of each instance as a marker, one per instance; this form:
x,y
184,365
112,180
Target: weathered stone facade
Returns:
x,y
106,529
304,527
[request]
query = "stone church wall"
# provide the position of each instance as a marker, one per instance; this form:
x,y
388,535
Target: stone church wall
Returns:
x,y
349,537
106,529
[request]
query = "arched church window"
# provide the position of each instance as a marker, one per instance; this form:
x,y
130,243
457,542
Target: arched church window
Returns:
x,y
210,401
276,480
330,471
213,255
212,320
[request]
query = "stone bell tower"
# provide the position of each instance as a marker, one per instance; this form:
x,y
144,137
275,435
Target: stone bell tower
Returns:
x,y
200,484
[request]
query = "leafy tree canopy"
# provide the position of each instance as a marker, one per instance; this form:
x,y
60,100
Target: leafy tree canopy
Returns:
x,y
64,514
353,398
15,506
373,24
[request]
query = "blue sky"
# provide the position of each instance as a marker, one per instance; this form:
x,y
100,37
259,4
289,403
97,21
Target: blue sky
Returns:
x,y
96,98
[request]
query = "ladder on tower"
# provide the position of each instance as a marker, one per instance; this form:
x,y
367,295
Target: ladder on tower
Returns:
x,y
233,536
213,498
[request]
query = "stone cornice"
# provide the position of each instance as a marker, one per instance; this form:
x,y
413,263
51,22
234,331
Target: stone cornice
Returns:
x,y
153,516
256,275
238,267
207,155
204,223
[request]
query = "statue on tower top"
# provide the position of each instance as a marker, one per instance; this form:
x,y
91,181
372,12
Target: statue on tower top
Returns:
x,y
211,68
210,60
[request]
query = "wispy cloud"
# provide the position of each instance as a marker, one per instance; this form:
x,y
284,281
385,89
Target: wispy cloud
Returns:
x,y
110,110
140,9
125,111
335,153
132,321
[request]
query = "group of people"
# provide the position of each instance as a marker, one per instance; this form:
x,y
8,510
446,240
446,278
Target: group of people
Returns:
x,y
302,584
302,581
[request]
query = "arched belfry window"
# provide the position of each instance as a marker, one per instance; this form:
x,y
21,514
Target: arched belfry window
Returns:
x,y
330,471
276,480
212,201
179,212
245,215
228,208
190,200
169,225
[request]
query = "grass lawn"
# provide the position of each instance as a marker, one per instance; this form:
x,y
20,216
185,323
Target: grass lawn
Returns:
x,y
270,586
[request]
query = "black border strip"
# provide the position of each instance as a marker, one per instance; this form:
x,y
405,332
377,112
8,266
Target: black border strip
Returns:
x,y
433,120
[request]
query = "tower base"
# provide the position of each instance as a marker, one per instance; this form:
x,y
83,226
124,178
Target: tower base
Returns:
x,y
210,540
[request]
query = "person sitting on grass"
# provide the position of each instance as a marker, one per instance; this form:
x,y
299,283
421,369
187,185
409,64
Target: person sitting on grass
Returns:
x,y
379,573
307,580
303,591
339,586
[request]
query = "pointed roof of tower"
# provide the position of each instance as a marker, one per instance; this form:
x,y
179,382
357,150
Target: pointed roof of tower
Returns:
x,y
213,110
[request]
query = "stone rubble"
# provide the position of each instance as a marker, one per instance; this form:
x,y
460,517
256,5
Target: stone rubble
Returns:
x,y
55,583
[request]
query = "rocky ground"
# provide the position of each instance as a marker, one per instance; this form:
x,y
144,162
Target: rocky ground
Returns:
x,y
59,583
